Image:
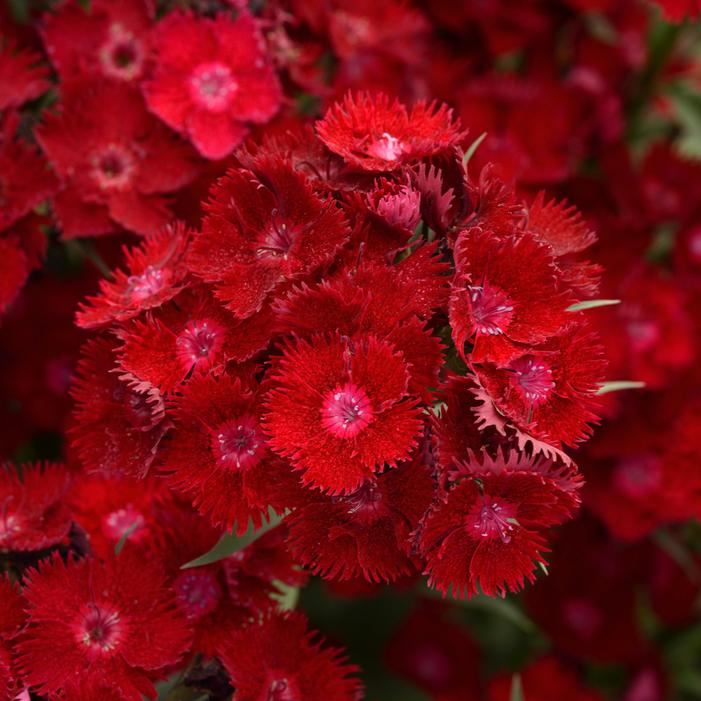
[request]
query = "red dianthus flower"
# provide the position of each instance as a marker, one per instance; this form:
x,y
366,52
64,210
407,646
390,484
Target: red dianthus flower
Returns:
x,y
340,410
212,77
279,659
90,622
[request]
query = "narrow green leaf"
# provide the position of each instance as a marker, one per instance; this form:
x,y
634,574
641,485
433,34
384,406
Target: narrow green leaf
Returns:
x,y
516,689
592,304
618,385
472,148
231,543
286,596
125,536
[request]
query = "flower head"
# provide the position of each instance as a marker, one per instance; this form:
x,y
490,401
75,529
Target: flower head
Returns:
x,y
339,409
280,660
90,621
212,78
23,75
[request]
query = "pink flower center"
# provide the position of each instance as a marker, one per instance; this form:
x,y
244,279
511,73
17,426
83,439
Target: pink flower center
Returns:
x,y
643,333
198,593
281,688
277,240
99,629
387,147
346,411
124,520
10,525
491,308
491,519
533,377
637,475
113,168
122,55
239,444
212,86
199,343
401,209
149,283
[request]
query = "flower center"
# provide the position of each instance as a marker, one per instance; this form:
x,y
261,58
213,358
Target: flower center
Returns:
x,y
198,593
533,377
637,476
494,520
346,411
199,343
212,86
122,55
277,240
239,444
124,520
582,617
491,308
113,168
387,147
99,629
149,283
282,689
9,527
401,209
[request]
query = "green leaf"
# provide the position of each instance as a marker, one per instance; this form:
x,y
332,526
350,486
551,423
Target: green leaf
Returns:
x,y
592,304
230,543
516,689
618,385
286,596
121,542
472,148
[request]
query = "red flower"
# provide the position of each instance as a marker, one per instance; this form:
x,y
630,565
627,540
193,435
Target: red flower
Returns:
x,y
94,622
117,423
547,392
156,272
339,409
487,533
33,515
505,293
372,133
109,508
23,75
278,658
110,40
116,160
193,336
365,533
677,10
544,679
211,78
25,180
262,228
435,653
217,454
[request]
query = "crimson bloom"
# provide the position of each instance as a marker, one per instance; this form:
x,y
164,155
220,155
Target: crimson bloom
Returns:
x,y
264,227
487,533
505,293
194,335
372,133
116,160
340,410
11,619
33,514
110,40
278,658
118,424
155,273
547,392
218,454
212,77
93,622
23,75
366,533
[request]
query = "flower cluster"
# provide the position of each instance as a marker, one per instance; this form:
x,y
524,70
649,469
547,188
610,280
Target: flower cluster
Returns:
x,y
366,278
